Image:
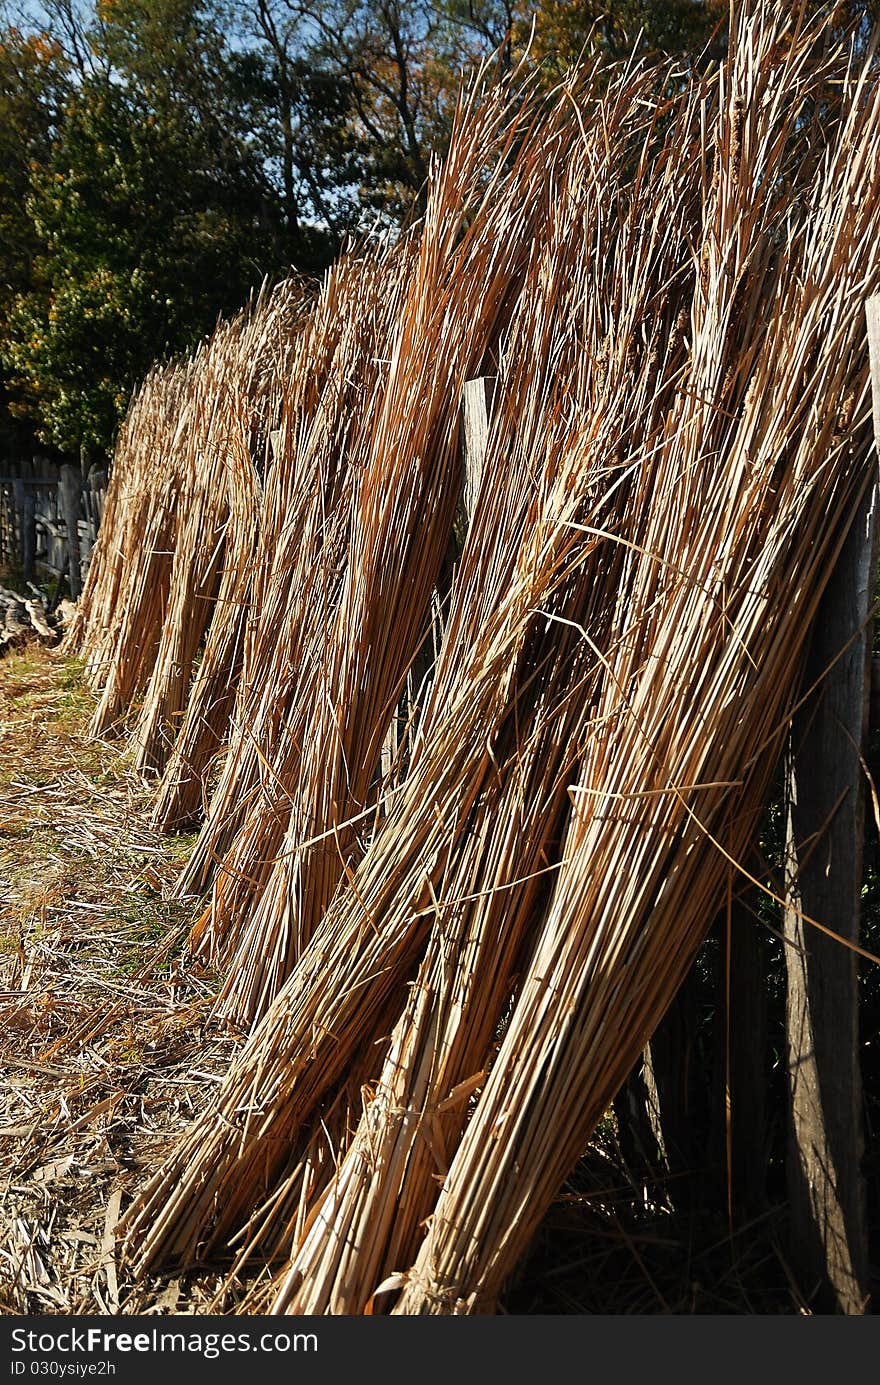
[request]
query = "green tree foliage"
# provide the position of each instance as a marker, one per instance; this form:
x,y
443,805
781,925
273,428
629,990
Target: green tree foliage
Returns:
x,y
563,30
33,86
141,247
235,103
159,157
153,212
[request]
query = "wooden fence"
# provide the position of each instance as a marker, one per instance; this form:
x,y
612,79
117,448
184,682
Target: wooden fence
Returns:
x,y
41,507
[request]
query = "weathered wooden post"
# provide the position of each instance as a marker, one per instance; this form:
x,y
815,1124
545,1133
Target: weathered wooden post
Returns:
x,y
825,821
98,482
70,487
18,517
747,1050
476,411
28,533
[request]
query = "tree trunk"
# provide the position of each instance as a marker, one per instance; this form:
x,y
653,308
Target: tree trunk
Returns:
x,y
637,1134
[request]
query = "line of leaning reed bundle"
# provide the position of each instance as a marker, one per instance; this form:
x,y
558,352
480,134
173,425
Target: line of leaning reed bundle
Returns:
x,y
368,1220
150,593
251,388
716,378
699,695
234,408
327,1012
342,1250
399,534
330,390
134,493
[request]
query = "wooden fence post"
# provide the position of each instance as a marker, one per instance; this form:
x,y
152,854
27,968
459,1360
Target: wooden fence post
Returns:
x,y
70,487
28,533
17,515
98,483
824,827
476,408
746,1044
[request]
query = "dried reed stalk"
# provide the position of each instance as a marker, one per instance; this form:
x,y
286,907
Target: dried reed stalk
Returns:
x,y
393,886
647,858
526,555
671,287
399,534
253,385
329,397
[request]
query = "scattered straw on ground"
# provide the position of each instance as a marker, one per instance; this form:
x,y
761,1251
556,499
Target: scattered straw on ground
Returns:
x,y
106,1050
107,1053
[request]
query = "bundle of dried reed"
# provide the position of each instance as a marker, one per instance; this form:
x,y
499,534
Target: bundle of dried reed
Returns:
x,y
365,945
681,437
666,801
329,395
400,523
525,568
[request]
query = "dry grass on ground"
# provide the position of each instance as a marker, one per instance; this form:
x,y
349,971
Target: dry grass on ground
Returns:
x,y
106,1050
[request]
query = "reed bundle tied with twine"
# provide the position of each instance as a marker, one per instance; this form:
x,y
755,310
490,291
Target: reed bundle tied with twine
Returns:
x,y
449,969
